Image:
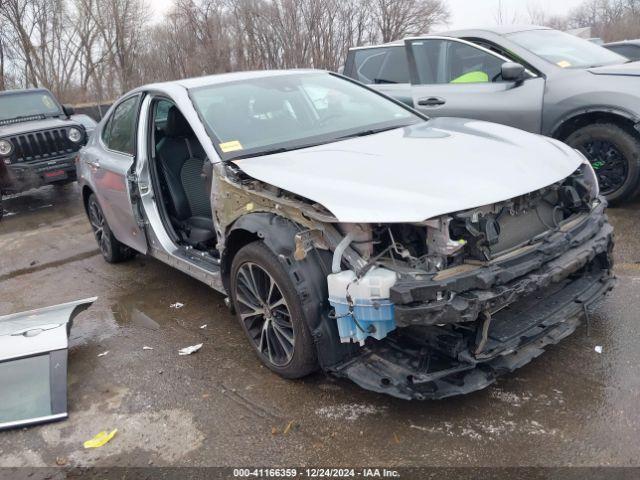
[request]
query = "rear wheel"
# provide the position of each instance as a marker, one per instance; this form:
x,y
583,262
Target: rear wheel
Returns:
x,y
270,312
112,250
614,154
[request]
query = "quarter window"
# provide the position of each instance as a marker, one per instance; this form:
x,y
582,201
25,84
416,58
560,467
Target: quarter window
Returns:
x,y
119,132
381,65
451,62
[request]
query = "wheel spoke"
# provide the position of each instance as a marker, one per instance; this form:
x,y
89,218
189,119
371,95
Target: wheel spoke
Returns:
x,y
272,285
263,338
277,304
247,301
268,341
249,285
281,334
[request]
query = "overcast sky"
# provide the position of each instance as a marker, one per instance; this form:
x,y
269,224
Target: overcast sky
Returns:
x,y
464,13
471,13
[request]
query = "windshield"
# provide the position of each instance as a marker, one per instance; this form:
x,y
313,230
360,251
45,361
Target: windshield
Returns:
x,y
268,114
565,50
25,104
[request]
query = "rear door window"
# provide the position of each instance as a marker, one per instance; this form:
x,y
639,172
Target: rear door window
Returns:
x,y
381,65
119,132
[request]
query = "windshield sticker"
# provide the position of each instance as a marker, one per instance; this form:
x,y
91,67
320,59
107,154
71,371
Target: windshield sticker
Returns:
x,y
564,64
231,146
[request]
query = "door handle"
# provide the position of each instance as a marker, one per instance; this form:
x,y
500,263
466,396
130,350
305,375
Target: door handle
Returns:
x,y
431,102
93,163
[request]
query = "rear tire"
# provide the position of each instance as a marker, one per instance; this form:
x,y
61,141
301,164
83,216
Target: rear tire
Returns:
x,y
614,153
112,250
270,312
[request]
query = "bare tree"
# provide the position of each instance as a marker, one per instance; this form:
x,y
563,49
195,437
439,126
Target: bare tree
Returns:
x,y
503,16
97,49
398,18
121,26
537,15
609,19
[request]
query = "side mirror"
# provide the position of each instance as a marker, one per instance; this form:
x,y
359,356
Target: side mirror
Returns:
x,y
68,110
512,72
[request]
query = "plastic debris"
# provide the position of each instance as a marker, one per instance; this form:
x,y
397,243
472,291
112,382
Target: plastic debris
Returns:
x,y
61,461
103,353
147,348
190,350
598,349
176,305
202,327
100,439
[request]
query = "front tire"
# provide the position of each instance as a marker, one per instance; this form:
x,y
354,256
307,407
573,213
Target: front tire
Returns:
x,y
112,250
270,312
614,154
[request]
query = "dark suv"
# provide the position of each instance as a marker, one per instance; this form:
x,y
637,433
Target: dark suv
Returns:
x,y
39,139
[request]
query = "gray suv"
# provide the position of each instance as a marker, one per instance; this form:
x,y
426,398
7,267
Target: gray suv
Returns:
x,y
533,78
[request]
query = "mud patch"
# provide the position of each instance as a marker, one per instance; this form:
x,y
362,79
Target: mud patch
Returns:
x,y
27,458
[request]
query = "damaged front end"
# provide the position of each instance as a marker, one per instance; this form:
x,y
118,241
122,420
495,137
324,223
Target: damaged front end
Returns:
x,y
442,307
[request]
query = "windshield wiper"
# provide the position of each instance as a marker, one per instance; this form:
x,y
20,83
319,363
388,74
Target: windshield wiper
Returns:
x,y
371,131
263,152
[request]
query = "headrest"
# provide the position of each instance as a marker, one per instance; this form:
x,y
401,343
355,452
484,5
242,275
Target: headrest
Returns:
x,y
177,125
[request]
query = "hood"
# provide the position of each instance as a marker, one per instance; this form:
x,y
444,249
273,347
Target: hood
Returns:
x,y
36,125
625,69
415,173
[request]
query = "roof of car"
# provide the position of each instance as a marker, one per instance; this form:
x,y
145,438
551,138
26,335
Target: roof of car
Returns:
x,y
190,83
497,30
23,90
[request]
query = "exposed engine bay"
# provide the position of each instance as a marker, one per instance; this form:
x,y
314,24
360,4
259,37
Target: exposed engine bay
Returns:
x,y
485,287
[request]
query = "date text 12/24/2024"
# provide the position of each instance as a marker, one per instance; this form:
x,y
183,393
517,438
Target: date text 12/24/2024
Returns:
x,y
315,473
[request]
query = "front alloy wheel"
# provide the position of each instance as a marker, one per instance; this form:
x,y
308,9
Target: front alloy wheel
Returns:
x,y
270,311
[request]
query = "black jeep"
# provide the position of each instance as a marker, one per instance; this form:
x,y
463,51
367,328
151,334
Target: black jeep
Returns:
x,y
39,139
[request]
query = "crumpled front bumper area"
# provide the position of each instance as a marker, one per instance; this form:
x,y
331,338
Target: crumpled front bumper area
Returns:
x,y
500,328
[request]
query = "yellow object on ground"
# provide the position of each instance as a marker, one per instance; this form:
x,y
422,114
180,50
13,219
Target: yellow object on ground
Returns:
x,y
472,77
100,439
